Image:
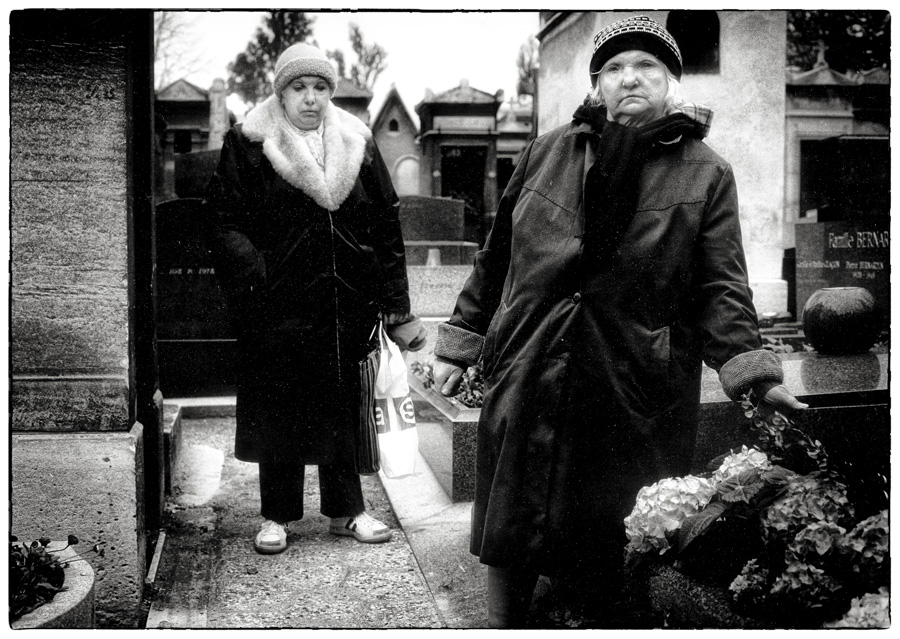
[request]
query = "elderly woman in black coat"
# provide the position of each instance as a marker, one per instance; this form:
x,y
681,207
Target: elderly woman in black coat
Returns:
x,y
614,268
304,232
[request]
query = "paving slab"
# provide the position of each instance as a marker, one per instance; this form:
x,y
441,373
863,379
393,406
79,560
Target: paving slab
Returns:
x,y
209,576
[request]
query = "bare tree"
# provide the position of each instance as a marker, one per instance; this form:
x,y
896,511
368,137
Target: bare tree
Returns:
x,y
527,63
370,60
174,55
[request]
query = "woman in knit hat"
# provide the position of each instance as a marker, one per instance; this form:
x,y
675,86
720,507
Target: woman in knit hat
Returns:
x,y
613,271
304,231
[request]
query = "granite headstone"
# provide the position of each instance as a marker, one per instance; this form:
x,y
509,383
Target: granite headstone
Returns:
x,y
847,253
432,218
195,339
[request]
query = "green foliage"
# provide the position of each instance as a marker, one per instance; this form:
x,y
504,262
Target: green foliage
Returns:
x,y
695,526
812,556
251,74
471,391
35,576
36,573
854,40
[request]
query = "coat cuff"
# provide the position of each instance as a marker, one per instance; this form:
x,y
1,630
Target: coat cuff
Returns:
x,y
396,319
458,344
743,372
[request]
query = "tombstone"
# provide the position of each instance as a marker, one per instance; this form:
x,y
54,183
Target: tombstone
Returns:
x,y
192,172
431,218
845,241
854,253
195,340
435,223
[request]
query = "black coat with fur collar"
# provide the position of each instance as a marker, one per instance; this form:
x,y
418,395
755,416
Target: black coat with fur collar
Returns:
x,y
307,260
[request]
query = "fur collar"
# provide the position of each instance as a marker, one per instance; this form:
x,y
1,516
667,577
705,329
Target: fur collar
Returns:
x,y
345,138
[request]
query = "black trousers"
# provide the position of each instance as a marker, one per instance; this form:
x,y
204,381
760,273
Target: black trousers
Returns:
x,y
281,491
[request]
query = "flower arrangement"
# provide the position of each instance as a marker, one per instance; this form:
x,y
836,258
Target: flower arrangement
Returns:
x,y
797,539
471,390
36,573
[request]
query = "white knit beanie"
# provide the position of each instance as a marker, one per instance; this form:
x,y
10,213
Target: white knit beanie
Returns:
x,y
303,59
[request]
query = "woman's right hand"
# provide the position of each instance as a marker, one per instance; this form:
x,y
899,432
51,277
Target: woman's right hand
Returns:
x,y
447,376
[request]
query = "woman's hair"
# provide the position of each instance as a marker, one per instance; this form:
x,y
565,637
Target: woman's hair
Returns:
x,y
672,100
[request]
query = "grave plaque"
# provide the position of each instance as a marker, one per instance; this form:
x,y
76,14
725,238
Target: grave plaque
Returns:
x,y
849,253
432,218
195,339
192,172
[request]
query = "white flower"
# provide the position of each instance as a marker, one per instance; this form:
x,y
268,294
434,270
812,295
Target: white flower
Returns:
x,y
869,611
736,463
661,508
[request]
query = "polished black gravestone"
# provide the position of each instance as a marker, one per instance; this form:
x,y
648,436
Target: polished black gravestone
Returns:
x,y
196,345
846,253
849,409
435,227
845,238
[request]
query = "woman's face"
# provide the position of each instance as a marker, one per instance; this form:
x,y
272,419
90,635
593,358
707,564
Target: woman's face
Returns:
x,y
305,99
633,85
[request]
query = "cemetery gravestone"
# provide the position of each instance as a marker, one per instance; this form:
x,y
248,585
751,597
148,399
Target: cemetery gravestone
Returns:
x,y
430,223
849,253
846,241
195,341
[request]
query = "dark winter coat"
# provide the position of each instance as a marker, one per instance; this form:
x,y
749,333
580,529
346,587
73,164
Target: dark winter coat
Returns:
x,y
307,262
592,372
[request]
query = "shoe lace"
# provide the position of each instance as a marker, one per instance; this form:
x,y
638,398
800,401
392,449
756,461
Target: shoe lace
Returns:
x,y
366,520
272,528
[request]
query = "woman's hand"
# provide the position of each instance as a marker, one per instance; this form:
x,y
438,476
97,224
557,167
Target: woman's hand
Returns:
x,y
779,399
447,376
409,336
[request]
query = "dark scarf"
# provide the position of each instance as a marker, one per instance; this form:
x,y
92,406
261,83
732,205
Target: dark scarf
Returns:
x,y
611,185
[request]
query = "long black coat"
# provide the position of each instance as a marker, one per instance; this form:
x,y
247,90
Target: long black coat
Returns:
x,y
592,374
307,262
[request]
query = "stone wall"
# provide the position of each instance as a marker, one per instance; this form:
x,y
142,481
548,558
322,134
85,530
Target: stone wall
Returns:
x,y
77,459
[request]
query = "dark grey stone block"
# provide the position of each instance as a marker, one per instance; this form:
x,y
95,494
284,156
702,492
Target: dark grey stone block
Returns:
x,y
432,218
447,440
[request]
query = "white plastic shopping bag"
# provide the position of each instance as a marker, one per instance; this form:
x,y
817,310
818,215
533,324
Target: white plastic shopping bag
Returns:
x,y
395,417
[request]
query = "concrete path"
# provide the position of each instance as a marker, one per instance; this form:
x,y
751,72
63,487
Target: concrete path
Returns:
x,y
209,576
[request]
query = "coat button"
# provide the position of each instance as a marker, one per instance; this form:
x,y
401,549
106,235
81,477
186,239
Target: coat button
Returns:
x,y
576,298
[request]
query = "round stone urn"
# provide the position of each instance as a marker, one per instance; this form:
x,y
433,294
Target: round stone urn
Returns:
x,y
72,607
841,320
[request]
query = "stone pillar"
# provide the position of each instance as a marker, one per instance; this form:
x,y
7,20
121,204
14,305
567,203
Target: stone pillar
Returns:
x,y
436,168
490,177
81,351
218,115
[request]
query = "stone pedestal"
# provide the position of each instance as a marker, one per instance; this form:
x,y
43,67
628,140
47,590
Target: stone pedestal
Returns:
x,y
89,485
446,439
848,410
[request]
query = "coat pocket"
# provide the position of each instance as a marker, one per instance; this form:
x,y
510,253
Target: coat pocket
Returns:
x,y
655,383
489,350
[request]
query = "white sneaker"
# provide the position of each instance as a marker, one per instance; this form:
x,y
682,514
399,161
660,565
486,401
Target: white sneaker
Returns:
x,y
272,538
363,527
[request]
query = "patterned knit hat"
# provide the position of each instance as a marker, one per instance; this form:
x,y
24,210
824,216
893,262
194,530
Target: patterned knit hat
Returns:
x,y
303,59
640,33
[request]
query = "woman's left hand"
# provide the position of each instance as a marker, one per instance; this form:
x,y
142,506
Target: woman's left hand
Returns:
x,y
779,399
409,336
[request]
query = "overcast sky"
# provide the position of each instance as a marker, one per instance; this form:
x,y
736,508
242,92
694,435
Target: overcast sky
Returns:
x,y
424,50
